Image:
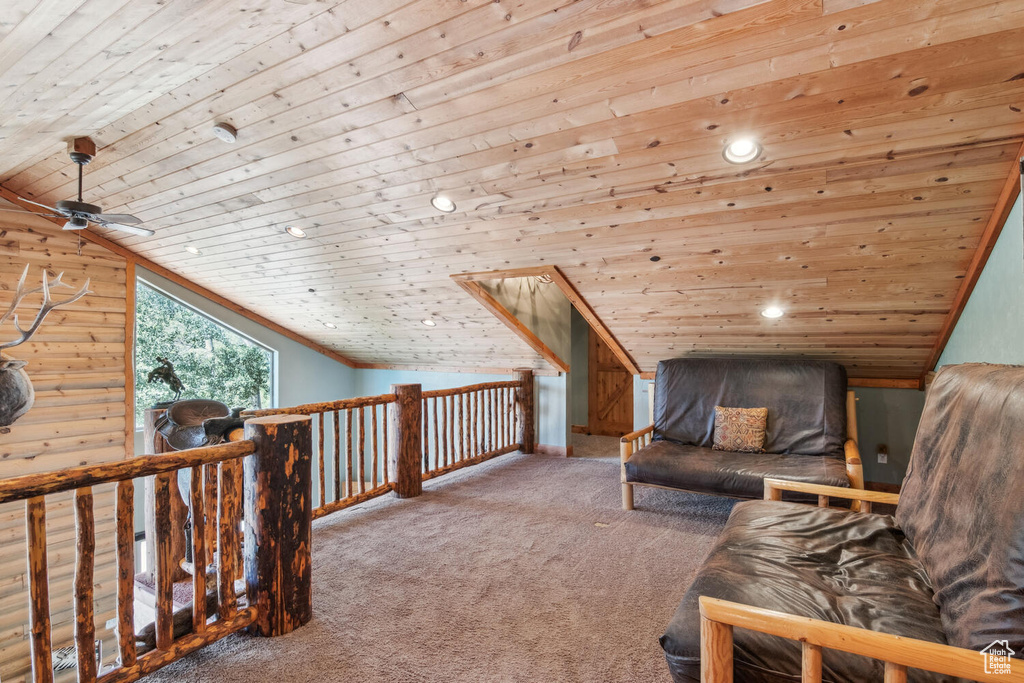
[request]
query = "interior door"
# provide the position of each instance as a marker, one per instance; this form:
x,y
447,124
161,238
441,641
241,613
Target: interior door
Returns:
x,y
610,391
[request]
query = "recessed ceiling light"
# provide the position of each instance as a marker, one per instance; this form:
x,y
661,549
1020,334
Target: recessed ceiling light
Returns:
x,y
442,203
330,326
772,312
428,322
742,151
295,232
193,250
225,132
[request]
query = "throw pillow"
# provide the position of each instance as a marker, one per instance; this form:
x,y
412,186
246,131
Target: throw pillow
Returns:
x,y
740,429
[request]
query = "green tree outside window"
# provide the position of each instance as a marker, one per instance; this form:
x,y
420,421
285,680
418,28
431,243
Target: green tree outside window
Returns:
x,y
211,360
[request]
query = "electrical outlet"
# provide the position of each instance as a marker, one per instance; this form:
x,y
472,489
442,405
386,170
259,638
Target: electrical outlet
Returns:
x,y
883,454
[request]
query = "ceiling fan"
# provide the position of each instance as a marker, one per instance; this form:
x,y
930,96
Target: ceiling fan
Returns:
x,y
77,212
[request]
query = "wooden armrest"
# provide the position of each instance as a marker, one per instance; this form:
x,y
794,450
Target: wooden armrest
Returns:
x,y
773,489
627,444
718,617
633,436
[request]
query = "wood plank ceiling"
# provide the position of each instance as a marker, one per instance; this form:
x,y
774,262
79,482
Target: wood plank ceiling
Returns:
x,y
585,134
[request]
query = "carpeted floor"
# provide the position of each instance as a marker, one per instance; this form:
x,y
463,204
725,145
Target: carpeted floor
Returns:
x,y
524,568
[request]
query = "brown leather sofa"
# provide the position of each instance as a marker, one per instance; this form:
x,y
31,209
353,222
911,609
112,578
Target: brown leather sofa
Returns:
x,y
947,569
807,438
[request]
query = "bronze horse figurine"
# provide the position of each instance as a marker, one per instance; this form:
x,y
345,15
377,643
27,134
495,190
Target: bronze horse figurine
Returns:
x,y
165,373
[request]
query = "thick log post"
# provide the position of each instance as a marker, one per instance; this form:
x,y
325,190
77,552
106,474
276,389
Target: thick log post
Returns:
x,y
278,515
525,417
405,440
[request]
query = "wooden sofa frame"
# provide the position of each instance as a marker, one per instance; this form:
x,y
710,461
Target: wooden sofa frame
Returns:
x,y
718,618
634,441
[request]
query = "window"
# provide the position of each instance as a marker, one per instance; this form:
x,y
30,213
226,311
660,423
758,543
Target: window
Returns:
x,y
211,360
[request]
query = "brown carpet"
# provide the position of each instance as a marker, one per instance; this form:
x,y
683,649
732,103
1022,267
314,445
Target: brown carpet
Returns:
x,y
524,568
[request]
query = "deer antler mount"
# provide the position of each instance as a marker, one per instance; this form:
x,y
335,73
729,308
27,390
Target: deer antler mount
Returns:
x,y
16,393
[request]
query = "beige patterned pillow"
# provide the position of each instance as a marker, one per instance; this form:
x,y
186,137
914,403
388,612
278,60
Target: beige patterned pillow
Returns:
x,y
740,429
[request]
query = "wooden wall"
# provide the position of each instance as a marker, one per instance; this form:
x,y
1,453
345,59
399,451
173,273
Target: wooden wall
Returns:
x,y
77,364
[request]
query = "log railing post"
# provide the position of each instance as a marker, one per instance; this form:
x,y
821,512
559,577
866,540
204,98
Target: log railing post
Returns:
x,y
525,417
155,444
405,446
278,518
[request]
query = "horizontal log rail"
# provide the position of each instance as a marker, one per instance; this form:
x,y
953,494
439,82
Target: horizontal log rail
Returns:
x,y
718,618
32,485
437,393
324,407
273,494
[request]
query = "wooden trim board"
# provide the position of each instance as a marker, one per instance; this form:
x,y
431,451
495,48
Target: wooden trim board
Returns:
x,y
602,331
856,382
137,260
1007,197
445,368
557,451
882,486
129,359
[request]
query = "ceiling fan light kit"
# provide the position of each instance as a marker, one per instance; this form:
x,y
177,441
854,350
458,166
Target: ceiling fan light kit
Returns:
x,y
75,222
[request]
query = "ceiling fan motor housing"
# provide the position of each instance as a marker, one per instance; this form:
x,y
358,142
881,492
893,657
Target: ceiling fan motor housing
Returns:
x,y
70,207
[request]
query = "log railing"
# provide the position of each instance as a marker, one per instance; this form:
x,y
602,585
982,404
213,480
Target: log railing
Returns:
x,y
351,444
368,446
467,425
277,514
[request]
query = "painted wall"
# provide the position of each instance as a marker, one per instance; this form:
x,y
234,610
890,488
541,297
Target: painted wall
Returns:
x,y
641,411
991,327
541,307
890,417
545,311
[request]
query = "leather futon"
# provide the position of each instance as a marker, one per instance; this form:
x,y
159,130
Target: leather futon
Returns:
x,y
806,438
947,569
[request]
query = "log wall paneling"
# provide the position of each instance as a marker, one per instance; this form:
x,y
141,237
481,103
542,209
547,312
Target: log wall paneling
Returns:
x,y
77,364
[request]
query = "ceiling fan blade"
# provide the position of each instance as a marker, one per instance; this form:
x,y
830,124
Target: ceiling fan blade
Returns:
x,y
48,208
123,218
130,229
33,213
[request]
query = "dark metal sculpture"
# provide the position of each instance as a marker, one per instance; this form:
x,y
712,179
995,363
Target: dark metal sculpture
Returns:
x,y
16,393
165,373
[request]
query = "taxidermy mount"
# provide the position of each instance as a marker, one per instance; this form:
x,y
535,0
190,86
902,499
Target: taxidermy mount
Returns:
x,y
16,392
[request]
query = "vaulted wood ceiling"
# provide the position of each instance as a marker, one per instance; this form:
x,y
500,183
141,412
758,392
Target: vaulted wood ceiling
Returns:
x,y
584,134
